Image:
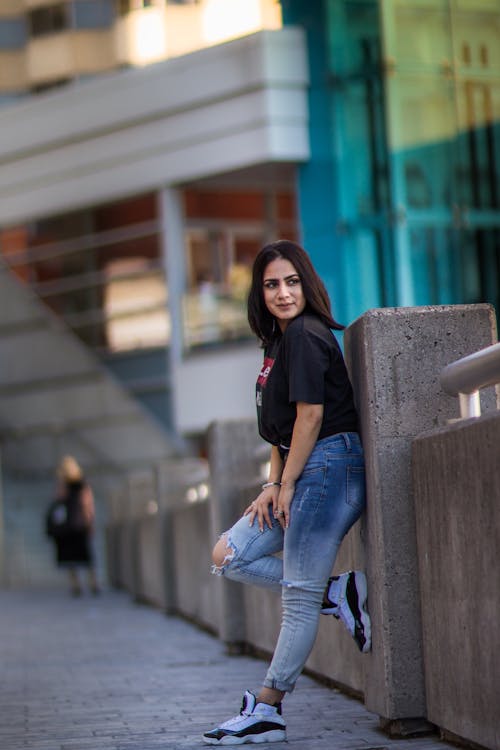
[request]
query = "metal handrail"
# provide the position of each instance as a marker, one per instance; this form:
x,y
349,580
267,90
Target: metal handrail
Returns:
x,y
465,377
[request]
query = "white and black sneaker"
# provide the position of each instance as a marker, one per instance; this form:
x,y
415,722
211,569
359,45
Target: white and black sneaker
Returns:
x,y
345,599
256,722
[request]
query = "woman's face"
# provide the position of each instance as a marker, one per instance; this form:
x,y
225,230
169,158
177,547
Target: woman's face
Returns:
x,y
283,293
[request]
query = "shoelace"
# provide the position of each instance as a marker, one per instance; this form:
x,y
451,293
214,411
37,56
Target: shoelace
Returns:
x,y
235,719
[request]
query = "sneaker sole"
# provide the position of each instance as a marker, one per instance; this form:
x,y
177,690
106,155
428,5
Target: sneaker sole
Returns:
x,y
275,735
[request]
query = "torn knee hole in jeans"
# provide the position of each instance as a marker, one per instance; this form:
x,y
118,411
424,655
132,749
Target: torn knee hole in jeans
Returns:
x,y
218,570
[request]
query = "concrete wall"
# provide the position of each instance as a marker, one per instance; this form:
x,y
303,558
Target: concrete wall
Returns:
x,y
196,595
395,356
222,397
457,504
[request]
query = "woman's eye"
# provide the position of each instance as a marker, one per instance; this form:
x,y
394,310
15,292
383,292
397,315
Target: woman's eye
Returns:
x,y
270,285
294,281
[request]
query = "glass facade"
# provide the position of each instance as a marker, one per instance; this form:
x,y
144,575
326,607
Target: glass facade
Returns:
x,y
356,99
412,106
443,126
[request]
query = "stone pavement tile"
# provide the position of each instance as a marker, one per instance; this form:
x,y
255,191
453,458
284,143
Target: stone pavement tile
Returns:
x,y
106,674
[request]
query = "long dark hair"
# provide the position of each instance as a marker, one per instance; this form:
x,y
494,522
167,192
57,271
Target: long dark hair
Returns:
x,y
260,319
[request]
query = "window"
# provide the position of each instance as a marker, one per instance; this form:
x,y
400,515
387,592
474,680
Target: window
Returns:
x,y
12,33
123,7
219,274
134,304
93,14
100,270
225,231
48,20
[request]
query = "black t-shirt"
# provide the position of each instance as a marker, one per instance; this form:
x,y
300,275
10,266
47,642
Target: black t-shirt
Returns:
x,y
304,364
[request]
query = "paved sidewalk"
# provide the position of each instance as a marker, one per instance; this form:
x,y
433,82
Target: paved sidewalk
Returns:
x,y
105,674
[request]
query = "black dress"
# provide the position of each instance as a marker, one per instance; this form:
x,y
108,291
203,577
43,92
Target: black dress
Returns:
x,y
67,526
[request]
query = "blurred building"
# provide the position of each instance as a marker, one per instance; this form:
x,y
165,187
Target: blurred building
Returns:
x,y
149,148
134,196
47,43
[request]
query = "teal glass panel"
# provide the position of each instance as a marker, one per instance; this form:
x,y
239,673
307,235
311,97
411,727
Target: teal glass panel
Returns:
x,y
353,28
443,112
417,35
421,128
486,274
432,255
478,144
362,161
360,153
362,266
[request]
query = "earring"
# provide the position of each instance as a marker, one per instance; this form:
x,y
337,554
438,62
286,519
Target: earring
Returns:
x,y
274,325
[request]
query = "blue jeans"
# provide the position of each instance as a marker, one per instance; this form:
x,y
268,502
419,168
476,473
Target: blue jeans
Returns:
x,y
329,497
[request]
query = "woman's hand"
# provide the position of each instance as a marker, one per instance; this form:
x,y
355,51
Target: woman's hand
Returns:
x,y
261,506
282,508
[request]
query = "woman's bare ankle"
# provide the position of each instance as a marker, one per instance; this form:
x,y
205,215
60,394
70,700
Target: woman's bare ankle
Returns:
x,y
271,696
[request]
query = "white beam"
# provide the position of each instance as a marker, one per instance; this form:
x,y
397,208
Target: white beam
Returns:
x,y
229,107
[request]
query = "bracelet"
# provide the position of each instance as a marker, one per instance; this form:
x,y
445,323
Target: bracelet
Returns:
x,y
271,484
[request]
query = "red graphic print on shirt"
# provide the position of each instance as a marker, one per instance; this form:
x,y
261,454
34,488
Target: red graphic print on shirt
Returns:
x,y
264,373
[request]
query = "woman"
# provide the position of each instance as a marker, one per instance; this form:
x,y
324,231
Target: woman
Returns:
x,y
316,488
70,522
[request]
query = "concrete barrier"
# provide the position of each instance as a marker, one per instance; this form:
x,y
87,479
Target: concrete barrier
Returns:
x,y
457,504
395,356
233,454
151,586
196,589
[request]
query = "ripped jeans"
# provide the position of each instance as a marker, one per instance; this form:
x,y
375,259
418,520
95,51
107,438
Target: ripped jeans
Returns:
x,y
329,497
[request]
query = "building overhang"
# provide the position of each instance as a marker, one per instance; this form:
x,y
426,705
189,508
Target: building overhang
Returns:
x,y
236,105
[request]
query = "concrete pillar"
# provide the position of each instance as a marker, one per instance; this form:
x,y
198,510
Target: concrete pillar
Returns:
x,y
233,456
457,509
171,234
171,220
395,356
2,548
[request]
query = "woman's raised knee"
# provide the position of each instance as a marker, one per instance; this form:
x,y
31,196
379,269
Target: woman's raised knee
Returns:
x,y
222,552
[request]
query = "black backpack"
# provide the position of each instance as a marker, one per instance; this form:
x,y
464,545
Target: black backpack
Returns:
x,y
65,515
56,519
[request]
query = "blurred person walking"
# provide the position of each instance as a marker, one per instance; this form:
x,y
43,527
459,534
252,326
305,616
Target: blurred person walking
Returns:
x,y
70,523
316,486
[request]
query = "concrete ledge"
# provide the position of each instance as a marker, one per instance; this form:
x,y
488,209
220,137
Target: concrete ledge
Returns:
x,y
457,501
